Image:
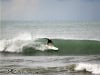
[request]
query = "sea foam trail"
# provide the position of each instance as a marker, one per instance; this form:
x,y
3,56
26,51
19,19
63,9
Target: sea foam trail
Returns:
x,y
23,40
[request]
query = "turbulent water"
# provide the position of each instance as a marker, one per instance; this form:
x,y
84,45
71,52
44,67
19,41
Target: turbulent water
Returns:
x,y
23,48
49,65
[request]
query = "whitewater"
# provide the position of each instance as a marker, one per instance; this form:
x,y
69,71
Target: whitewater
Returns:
x,y
24,40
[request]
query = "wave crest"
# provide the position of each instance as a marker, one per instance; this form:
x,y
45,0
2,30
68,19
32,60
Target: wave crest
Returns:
x,y
18,43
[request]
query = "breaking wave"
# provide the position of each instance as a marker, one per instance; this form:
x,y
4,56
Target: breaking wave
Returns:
x,y
92,68
21,42
27,44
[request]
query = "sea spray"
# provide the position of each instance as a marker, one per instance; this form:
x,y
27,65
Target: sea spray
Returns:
x,y
22,41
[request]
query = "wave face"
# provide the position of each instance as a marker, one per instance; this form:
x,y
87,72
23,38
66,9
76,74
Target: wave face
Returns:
x,y
25,44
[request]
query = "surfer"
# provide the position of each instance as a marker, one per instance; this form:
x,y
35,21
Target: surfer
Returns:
x,y
49,42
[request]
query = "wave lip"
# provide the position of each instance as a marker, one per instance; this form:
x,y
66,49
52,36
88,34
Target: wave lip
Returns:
x,y
93,68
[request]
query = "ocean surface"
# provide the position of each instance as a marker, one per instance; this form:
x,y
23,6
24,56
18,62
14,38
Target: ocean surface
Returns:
x,y
23,48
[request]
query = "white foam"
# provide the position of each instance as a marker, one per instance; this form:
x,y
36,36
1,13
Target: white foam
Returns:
x,y
17,43
93,68
2,44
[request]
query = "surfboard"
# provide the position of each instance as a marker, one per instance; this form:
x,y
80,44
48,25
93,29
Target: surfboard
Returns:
x,y
52,47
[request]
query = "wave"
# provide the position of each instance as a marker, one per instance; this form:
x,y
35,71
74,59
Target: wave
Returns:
x,y
26,44
21,42
92,68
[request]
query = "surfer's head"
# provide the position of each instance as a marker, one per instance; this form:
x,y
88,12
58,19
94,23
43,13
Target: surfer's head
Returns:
x,y
49,42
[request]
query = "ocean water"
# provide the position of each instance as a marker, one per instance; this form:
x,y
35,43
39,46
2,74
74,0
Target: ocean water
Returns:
x,y
13,64
23,50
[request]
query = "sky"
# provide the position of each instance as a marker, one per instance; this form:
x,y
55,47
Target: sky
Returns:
x,y
50,10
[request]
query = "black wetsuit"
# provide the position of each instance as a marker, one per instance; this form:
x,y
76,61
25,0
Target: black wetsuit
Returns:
x,y
49,41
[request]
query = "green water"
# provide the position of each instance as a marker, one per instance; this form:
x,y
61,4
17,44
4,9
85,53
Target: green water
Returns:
x,y
69,47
